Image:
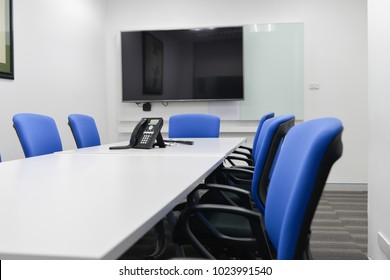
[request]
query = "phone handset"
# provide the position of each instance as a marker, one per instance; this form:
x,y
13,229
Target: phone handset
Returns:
x,y
137,132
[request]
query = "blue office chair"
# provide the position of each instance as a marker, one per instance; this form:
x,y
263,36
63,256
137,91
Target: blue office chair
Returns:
x,y
84,130
243,155
38,134
268,144
247,153
269,140
188,126
299,176
194,126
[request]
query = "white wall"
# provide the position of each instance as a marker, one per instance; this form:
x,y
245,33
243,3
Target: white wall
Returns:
x,y
335,56
67,59
59,67
379,127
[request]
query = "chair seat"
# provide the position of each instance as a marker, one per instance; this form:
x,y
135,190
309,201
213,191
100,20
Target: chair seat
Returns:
x,y
231,225
225,223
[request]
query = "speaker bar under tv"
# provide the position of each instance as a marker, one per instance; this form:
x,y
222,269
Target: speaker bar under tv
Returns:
x,y
182,65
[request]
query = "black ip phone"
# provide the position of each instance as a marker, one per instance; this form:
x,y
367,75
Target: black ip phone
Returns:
x,y
146,135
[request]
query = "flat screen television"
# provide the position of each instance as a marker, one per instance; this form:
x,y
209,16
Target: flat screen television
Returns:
x,y
182,65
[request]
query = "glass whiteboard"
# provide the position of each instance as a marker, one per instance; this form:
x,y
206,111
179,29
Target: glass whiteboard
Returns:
x,y
273,70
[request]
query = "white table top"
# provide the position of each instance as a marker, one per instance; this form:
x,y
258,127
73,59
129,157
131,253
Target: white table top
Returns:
x,y
91,206
202,146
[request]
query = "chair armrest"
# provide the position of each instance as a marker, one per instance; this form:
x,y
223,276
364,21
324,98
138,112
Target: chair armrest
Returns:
x,y
250,168
236,173
231,160
254,218
246,148
239,170
239,176
245,154
244,195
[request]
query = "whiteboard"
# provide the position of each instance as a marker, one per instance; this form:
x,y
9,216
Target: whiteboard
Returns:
x,y
273,73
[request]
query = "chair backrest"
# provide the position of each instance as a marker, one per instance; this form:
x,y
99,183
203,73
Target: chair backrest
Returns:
x,y
270,137
194,126
299,176
38,134
84,130
261,122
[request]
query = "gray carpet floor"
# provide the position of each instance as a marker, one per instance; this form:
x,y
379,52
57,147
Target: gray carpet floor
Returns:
x,y
339,227
339,231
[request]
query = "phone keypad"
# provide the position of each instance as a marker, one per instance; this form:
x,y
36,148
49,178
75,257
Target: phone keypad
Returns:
x,y
146,137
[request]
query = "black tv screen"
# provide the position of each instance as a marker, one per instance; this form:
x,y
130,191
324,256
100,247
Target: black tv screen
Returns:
x,y
179,65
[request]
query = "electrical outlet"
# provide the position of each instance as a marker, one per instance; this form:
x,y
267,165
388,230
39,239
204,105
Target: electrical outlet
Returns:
x,y
384,244
314,86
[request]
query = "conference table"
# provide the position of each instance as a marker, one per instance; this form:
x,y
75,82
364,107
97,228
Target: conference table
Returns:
x,y
95,203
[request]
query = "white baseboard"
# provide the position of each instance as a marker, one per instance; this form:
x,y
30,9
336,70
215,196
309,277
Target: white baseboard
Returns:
x,y
346,187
